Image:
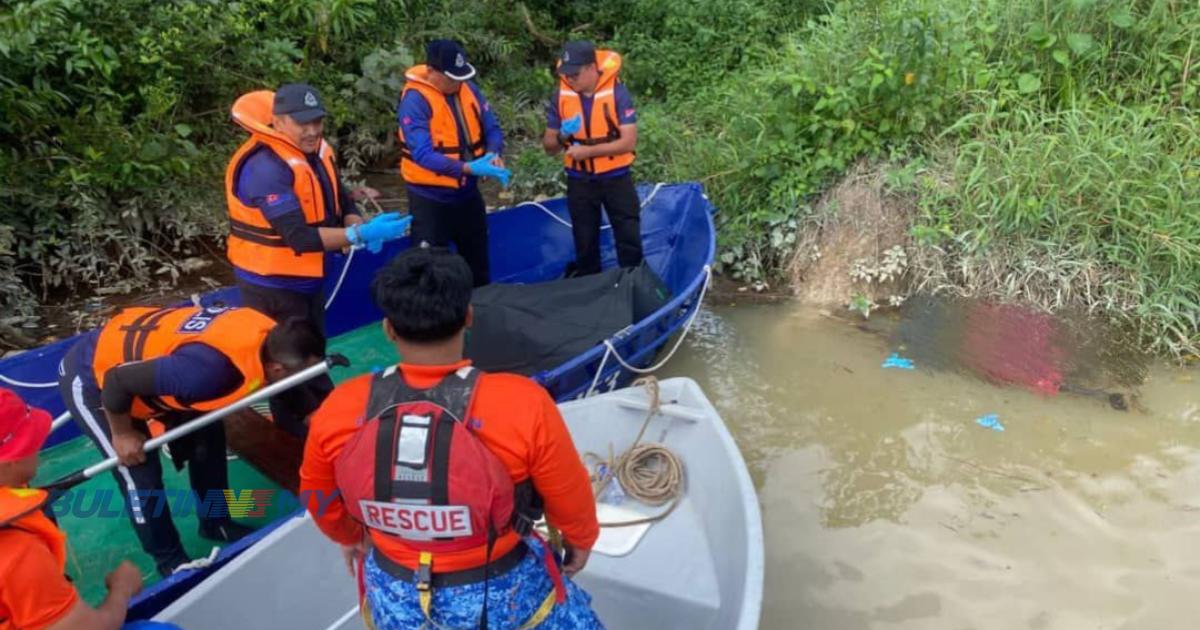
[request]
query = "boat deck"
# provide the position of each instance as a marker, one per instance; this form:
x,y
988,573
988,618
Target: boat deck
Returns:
x,y
97,543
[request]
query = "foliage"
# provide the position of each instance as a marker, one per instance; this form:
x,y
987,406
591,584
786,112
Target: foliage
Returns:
x,y
1057,132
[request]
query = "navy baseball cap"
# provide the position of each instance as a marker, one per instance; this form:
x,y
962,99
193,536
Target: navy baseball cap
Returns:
x,y
448,57
576,55
300,101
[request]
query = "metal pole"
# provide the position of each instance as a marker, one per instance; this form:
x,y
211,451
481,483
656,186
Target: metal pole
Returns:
x,y
62,419
190,427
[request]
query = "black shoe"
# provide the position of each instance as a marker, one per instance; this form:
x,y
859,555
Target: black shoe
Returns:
x,y
224,531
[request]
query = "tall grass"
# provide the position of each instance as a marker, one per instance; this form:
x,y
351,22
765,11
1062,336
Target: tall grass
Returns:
x,y
1096,206
1061,138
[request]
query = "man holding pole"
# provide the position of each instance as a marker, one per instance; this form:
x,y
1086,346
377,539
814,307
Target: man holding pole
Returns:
x,y
172,364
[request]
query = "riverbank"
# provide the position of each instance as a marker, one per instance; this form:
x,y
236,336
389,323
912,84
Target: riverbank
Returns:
x,y
1045,153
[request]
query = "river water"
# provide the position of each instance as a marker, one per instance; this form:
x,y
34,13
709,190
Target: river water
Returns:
x,y
886,505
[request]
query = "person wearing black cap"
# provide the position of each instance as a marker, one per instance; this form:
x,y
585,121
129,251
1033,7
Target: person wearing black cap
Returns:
x,y
287,207
449,138
593,119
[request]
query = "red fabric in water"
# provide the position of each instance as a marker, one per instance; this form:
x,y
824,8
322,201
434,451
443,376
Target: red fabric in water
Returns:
x,y
1010,344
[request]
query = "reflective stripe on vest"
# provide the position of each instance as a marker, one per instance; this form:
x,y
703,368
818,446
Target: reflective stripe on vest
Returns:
x,y
142,334
445,129
253,244
602,125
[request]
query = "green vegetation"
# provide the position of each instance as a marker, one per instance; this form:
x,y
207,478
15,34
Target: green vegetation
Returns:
x,y
1051,147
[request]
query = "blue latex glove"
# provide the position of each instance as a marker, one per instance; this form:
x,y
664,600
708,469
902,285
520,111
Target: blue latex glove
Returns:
x,y
990,421
483,167
896,361
388,226
572,125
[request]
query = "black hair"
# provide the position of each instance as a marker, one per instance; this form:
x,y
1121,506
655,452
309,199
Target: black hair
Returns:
x,y
424,293
293,341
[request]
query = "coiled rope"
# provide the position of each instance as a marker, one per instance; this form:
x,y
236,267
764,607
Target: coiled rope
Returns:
x,y
650,472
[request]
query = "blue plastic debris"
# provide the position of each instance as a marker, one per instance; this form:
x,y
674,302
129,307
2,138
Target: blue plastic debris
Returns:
x,y
990,421
899,362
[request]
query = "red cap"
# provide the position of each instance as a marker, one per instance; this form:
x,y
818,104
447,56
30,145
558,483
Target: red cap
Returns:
x,y
22,428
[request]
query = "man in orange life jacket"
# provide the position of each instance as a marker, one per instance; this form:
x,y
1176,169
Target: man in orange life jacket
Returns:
x,y
287,207
449,138
34,592
592,118
174,364
435,464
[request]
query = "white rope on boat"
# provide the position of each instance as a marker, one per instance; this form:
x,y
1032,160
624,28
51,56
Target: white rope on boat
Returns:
x,y
567,223
15,383
678,342
599,371
611,350
338,287
199,563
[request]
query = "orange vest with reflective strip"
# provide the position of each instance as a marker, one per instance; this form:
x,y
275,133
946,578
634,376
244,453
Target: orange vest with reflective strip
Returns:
x,y
444,128
21,508
602,126
145,333
253,244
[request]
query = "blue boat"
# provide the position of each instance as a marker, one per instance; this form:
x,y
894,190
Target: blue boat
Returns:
x,y
529,243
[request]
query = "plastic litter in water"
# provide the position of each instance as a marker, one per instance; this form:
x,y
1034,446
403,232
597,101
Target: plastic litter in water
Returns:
x,y
990,421
898,362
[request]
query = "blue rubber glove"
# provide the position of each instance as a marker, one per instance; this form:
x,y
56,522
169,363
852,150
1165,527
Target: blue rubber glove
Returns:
x,y
483,167
388,226
572,125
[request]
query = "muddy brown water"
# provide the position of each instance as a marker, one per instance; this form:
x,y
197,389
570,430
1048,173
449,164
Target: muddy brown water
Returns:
x,y
885,505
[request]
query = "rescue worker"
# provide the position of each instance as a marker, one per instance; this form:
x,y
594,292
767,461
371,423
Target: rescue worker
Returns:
x,y
449,138
34,591
432,464
173,364
591,117
287,207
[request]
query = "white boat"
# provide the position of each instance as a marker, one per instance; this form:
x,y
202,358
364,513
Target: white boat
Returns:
x,y
700,567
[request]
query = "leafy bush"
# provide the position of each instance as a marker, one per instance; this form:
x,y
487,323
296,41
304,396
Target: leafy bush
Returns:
x,y
1061,132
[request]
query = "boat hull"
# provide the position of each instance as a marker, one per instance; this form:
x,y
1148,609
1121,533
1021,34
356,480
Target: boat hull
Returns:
x,y
701,567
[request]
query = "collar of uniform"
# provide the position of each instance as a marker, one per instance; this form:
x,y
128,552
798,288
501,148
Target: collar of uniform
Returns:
x,y
428,375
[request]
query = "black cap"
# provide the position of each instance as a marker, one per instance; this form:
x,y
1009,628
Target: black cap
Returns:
x,y
300,101
576,55
448,57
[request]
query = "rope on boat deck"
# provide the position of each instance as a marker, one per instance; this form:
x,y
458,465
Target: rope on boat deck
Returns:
x,y
550,213
650,472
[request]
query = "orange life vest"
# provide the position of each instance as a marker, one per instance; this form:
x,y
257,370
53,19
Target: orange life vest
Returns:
x,y
253,244
144,333
444,129
21,508
602,126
